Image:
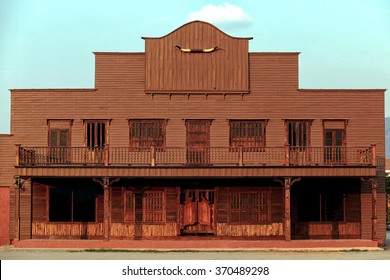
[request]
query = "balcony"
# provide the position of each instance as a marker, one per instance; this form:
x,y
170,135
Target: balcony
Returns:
x,y
284,156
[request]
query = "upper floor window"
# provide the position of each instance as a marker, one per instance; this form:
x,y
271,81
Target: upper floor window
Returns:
x,y
59,132
146,133
95,133
249,133
298,133
59,137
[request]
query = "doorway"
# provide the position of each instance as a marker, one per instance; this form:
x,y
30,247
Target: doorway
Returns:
x,y
197,211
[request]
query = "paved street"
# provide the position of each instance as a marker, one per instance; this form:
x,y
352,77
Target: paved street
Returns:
x,y
10,253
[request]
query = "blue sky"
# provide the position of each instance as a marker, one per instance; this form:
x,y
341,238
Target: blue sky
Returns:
x,y
49,43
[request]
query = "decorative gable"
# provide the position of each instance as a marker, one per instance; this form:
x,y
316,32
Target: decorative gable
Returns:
x,y
197,58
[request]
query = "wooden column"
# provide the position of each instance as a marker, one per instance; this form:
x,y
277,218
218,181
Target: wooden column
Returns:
x,y
106,215
287,183
374,184
287,204
106,183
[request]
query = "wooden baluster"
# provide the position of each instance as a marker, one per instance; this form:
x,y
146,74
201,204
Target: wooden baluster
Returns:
x,y
240,156
152,155
106,155
373,153
286,154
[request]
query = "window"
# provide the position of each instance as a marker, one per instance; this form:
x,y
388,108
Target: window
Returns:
x,y
153,209
72,204
58,137
298,133
247,133
321,206
249,207
146,133
334,142
95,133
58,142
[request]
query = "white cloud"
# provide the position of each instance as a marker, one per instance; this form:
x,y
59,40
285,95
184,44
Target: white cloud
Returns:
x,y
224,14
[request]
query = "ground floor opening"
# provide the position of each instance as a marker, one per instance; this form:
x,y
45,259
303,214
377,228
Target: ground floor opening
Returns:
x,y
235,208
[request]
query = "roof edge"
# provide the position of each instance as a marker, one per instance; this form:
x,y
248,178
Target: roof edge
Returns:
x,y
342,89
53,89
191,22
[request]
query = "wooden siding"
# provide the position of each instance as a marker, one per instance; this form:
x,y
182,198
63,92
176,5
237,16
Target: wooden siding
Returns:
x,y
126,231
204,172
269,230
4,215
170,70
327,230
7,202
42,230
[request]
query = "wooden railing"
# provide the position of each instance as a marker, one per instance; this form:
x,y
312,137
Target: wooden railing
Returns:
x,y
210,156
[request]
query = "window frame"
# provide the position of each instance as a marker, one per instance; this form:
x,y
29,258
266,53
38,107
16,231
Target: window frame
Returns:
x,y
151,209
238,207
100,140
299,139
237,139
144,140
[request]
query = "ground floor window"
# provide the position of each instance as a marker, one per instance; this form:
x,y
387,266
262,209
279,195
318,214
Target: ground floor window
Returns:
x,y
249,207
72,204
321,206
153,206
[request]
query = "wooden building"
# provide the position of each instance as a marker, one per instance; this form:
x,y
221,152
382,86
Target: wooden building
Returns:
x,y
196,136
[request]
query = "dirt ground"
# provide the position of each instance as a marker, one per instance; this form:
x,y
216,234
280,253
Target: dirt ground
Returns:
x,y
10,253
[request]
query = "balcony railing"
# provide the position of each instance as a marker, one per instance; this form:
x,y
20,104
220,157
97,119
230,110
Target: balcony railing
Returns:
x,y
182,156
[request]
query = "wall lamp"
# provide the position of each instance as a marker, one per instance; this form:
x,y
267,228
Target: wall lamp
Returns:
x,y
19,183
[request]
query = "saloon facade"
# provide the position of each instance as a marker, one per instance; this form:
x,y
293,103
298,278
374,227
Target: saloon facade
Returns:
x,y
196,136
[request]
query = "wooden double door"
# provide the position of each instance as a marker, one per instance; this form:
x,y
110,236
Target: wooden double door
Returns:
x,y
197,211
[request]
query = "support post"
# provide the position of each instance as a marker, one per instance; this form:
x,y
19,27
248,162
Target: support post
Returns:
x,y
287,183
374,184
106,183
287,204
106,215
